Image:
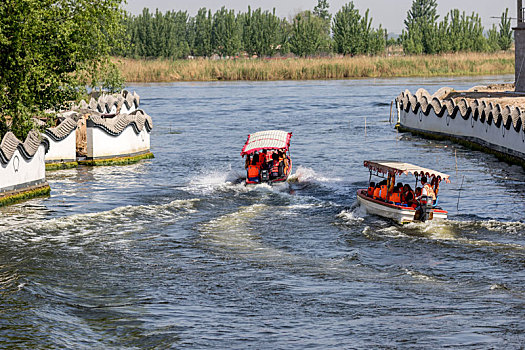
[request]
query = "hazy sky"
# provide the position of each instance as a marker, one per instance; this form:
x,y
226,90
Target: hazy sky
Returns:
x,y
390,13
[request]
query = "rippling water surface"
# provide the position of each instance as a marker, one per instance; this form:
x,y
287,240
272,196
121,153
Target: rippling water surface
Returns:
x,y
174,253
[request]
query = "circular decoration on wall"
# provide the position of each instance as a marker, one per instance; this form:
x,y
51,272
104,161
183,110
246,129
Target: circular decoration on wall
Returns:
x,y
16,163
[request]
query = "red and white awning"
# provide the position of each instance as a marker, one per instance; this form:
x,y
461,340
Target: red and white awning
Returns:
x,y
270,139
398,168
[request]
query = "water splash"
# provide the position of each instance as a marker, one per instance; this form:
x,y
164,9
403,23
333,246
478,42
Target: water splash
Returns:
x,y
117,221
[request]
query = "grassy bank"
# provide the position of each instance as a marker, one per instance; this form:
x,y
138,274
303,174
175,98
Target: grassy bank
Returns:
x,y
318,68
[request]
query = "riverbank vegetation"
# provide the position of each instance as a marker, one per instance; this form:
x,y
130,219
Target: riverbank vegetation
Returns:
x,y
50,51
258,33
165,70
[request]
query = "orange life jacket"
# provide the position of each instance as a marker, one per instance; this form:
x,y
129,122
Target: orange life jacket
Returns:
x,y
370,192
253,171
430,191
383,192
404,196
275,166
377,192
395,197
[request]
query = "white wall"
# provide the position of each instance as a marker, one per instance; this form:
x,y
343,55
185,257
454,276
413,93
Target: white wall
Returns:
x,y
470,128
64,151
19,171
101,144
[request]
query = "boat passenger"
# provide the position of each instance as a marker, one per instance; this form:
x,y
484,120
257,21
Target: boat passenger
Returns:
x,y
427,191
426,199
253,171
408,197
384,189
418,192
377,191
395,196
371,188
274,166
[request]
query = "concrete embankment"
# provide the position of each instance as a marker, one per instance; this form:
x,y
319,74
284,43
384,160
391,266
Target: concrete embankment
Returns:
x,y
486,118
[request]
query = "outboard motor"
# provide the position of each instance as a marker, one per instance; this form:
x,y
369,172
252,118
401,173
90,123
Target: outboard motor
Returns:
x,y
265,177
425,208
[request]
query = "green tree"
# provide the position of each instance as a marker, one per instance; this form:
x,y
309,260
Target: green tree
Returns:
x,y
226,35
421,27
321,11
50,50
308,36
260,35
505,31
353,34
203,29
493,39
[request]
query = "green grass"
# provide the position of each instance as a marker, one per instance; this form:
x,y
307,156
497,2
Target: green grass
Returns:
x,y
117,160
23,195
60,166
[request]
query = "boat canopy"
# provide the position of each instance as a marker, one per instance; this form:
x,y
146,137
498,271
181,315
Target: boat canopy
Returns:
x,y
399,168
270,139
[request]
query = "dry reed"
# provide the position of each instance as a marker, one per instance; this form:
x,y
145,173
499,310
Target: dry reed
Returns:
x,y
162,70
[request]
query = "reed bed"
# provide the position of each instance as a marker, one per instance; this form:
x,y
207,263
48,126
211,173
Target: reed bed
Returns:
x,y
163,70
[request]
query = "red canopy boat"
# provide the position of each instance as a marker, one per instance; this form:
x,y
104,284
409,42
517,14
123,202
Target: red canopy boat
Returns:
x,y
271,152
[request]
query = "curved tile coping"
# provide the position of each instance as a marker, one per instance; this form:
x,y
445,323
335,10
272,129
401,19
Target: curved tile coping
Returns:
x,y
63,130
115,125
508,116
111,103
10,143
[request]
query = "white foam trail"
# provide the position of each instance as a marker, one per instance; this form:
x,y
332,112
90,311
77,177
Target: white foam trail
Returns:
x,y
420,276
240,233
446,230
117,221
308,175
355,213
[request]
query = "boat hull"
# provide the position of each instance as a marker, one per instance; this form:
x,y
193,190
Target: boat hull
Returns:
x,y
400,214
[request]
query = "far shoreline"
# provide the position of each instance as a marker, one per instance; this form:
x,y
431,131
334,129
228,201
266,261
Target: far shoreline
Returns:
x,y
336,68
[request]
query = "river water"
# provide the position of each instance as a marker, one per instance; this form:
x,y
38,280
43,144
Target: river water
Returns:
x,y
174,253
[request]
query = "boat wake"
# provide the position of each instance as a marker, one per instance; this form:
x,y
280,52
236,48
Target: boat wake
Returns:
x,y
213,180
353,215
118,221
307,175
240,234
465,233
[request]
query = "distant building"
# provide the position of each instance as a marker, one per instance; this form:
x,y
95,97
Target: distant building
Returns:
x,y
519,38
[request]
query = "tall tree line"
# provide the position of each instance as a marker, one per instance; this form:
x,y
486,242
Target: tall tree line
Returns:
x,y
176,34
457,31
